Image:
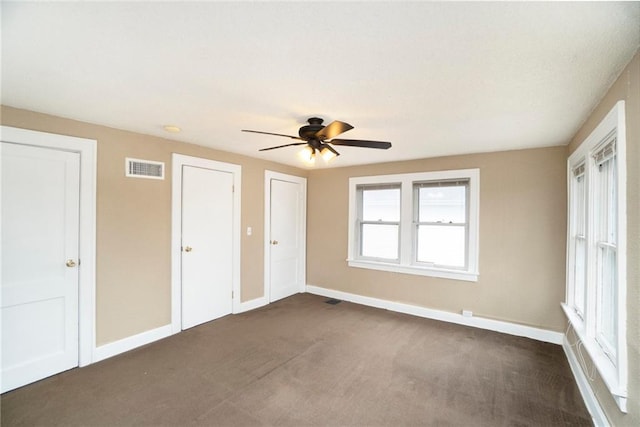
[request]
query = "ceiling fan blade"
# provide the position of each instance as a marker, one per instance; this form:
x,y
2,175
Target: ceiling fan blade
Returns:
x,y
361,143
332,130
270,133
280,146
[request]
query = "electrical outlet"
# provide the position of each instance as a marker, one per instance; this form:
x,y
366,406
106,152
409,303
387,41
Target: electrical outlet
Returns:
x,y
467,313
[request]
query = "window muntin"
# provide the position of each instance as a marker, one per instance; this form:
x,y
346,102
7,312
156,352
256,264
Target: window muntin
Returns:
x,y
379,221
441,219
456,224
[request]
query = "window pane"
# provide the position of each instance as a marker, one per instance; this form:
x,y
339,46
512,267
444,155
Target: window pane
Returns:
x,y
606,324
580,245
380,241
579,275
381,205
442,204
612,227
579,209
607,202
442,245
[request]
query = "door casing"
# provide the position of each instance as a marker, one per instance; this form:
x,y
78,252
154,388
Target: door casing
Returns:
x,y
178,161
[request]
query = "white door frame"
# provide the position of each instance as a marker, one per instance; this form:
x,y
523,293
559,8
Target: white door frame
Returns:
x,y
302,211
178,161
86,148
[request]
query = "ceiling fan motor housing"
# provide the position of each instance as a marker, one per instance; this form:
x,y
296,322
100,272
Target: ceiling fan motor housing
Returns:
x,y
307,132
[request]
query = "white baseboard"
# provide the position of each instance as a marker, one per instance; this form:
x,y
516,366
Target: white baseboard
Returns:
x,y
114,348
591,402
129,343
445,316
251,305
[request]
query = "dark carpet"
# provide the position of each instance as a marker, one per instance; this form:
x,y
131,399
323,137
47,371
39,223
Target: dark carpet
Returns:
x,y
302,362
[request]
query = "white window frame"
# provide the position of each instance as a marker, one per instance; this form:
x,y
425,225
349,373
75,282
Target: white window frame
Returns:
x,y
577,231
361,222
417,223
612,365
407,257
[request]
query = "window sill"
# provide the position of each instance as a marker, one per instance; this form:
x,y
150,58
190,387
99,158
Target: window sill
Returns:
x,y
605,367
412,269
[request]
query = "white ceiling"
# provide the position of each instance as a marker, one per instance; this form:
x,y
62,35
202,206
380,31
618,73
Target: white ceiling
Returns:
x,y
433,78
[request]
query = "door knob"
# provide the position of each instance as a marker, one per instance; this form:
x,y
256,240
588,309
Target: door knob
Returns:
x,y
70,263
188,248
274,242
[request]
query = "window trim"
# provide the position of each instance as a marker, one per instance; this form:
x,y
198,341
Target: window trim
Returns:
x,y
613,370
407,263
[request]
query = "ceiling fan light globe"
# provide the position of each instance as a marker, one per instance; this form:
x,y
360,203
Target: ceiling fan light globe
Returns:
x,y
307,155
327,154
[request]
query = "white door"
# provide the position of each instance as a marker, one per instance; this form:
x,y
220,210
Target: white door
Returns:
x,y
207,245
286,237
40,223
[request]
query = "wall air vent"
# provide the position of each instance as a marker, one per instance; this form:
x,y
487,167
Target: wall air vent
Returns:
x,y
137,168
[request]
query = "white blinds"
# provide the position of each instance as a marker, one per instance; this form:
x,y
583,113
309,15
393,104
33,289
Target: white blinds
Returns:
x,y
370,187
445,183
606,152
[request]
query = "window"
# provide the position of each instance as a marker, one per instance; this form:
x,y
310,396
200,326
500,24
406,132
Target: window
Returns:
x,y
379,220
596,262
423,223
441,223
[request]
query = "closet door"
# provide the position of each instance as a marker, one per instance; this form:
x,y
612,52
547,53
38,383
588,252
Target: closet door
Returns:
x,y
40,231
207,242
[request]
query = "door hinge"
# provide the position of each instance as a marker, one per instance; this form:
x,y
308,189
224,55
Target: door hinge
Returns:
x,y
233,188
231,294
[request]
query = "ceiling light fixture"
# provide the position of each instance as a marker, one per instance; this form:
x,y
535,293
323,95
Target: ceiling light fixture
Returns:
x,y
171,128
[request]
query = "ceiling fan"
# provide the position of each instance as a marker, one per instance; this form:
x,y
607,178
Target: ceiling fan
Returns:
x,y
316,138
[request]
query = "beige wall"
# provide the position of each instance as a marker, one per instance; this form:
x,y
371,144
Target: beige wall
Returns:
x,y
522,239
133,266
626,88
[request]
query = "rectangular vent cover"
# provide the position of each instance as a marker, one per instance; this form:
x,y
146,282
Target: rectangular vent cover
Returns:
x,y
137,168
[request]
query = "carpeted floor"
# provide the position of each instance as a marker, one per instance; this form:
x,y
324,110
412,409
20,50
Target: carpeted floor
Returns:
x,y
302,362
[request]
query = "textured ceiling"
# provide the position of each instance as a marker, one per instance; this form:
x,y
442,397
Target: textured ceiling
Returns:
x,y
433,78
